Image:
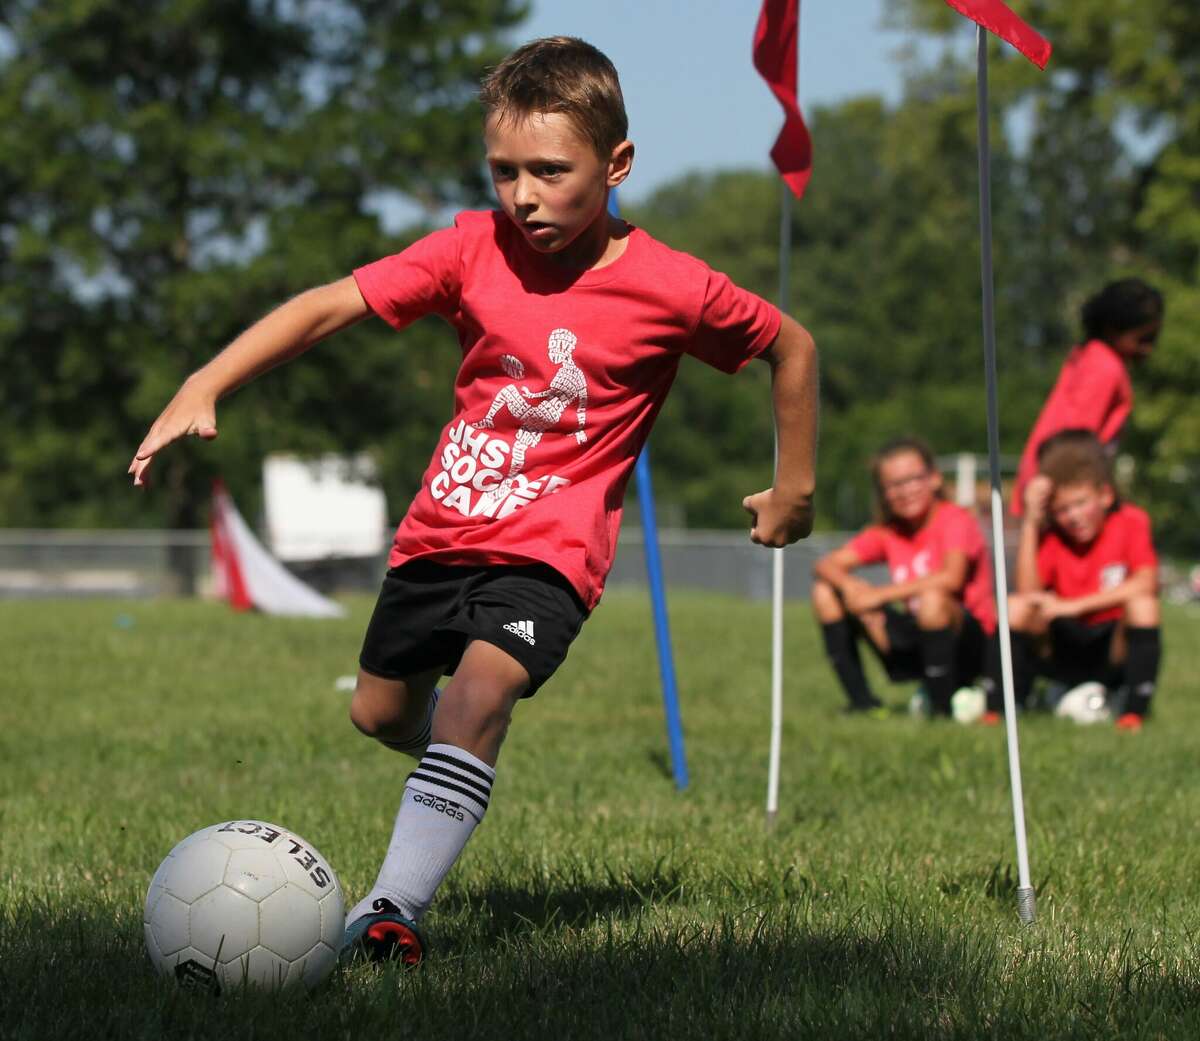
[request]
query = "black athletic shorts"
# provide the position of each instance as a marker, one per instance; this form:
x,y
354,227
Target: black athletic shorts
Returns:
x,y
427,613
904,661
1080,652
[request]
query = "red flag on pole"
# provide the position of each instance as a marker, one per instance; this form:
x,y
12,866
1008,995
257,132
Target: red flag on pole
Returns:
x,y
775,58
996,17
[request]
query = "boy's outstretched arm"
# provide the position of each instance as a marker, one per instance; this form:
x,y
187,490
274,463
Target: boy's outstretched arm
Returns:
x,y
784,513
287,331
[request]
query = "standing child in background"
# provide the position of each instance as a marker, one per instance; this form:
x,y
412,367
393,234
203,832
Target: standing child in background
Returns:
x,y
505,548
1086,607
933,619
1094,392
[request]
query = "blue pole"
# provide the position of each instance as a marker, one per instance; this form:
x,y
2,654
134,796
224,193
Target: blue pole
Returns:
x,y
662,631
658,601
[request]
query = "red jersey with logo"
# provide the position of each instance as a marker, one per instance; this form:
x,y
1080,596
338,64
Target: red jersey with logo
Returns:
x,y
1093,392
562,376
1123,546
915,554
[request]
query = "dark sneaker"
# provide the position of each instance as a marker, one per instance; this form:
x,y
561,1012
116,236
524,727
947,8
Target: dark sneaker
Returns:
x,y
384,935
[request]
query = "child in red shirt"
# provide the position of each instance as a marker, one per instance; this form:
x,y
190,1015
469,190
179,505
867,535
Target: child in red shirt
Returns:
x,y
1093,392
1086,606
572,325
932,620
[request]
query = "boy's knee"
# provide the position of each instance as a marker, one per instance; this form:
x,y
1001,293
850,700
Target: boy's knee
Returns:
x,y
365,715
1143,612
826,603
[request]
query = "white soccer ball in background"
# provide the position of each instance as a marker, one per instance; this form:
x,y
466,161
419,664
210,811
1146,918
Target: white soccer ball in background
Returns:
x,y
1087,703
968,705
244,902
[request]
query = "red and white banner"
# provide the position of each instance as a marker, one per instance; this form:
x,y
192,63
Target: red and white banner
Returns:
x,y
246,575
998,18
775,43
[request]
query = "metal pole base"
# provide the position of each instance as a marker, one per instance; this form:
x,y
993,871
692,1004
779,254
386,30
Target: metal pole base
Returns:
x,y
1026,904
771,817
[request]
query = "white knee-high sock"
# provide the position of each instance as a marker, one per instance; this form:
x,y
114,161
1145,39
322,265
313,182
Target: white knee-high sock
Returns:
x,y
417,742
444,799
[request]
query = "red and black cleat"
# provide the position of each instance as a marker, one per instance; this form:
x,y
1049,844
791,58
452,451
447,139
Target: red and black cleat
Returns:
x,y
384,935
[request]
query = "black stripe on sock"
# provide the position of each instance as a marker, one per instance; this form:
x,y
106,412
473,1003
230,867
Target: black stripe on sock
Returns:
x,y
442,757
416,775
484,790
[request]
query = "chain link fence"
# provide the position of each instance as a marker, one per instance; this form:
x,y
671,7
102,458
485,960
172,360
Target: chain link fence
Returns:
x,y
76,563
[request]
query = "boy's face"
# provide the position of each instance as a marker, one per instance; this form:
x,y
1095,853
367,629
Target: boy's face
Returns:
x,y
1136,344
551,183
909,487
1078,510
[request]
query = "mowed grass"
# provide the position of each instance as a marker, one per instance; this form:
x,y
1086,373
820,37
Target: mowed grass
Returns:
x,y
596,901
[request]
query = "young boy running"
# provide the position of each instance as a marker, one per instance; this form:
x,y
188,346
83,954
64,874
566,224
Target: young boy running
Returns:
x,y
1086,606
504,550
931,621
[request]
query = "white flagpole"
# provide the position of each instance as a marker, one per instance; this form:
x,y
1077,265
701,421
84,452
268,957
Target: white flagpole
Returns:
x,y
785,254
1026,898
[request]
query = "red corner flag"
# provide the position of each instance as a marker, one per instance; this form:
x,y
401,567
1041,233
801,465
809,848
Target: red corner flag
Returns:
x,y
775,59
997,18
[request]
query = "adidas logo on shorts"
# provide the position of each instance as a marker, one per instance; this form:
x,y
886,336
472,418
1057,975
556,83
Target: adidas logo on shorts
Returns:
x,y
521,629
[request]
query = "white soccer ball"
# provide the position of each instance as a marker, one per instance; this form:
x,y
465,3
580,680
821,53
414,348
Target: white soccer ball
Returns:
x,y
968,704
1087,703
244,903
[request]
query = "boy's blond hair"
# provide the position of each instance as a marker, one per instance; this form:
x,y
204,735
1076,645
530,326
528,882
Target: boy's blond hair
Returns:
x,y
560,74
1074,457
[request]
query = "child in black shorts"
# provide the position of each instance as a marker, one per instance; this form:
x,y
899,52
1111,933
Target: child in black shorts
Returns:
x,y
572,324
1086,608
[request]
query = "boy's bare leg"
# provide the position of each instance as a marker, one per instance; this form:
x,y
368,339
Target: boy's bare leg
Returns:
x,y
446,796
397,713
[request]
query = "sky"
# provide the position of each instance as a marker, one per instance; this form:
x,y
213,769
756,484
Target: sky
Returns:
x,y
692,94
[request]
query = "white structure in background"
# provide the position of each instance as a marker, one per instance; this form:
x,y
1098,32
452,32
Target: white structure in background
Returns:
x,y
329,506
248,576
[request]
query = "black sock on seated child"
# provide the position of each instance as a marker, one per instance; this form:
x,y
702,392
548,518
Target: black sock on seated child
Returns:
x,y
842,649
1141,667
1024,669
937,654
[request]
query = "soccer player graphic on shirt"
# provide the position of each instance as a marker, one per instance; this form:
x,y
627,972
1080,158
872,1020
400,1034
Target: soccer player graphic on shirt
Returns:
x,y
567,386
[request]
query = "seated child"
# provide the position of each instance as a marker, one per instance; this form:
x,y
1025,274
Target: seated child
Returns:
x,y
932,620
1086,606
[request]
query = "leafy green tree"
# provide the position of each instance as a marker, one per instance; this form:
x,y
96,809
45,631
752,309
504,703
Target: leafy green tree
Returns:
x,y
1113,178
171,169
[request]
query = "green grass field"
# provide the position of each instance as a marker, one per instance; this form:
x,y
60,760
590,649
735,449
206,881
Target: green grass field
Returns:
x,y
596,901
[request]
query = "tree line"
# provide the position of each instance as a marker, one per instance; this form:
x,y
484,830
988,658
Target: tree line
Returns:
x,y
170,171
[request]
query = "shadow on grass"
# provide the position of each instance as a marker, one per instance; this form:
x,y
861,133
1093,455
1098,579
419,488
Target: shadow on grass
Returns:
x,y
600,964
570,897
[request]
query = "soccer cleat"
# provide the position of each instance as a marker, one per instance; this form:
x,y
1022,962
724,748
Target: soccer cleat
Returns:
x,y
991,718
384,935
1131,721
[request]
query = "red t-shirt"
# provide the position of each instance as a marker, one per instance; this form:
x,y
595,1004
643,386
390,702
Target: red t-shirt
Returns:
x,y
1123,546
915,554
561,379
1093,392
